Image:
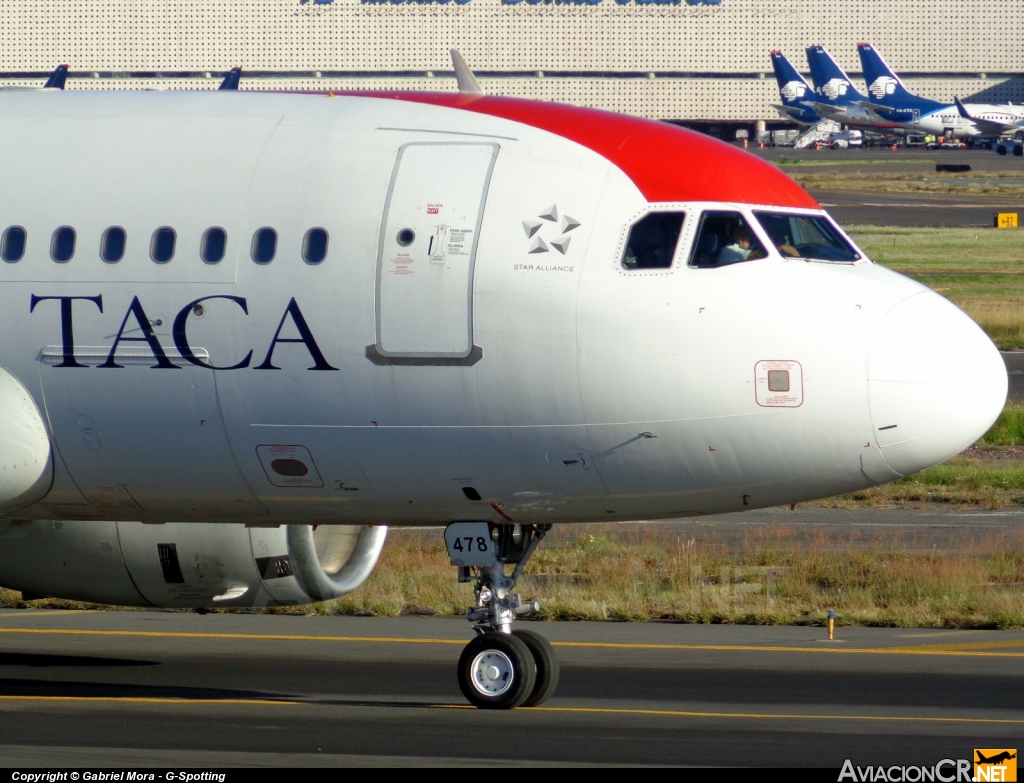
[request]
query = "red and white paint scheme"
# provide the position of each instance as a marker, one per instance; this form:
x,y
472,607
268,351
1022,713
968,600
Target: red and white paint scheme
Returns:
x,y
452,310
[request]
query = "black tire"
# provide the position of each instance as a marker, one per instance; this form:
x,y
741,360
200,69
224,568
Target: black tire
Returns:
x,y
548,668
512,662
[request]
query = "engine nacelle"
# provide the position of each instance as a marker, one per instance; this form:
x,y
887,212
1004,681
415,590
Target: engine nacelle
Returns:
x,y
26,466
184,564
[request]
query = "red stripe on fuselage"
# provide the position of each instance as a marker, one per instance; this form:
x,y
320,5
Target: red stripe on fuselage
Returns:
x,y
666,162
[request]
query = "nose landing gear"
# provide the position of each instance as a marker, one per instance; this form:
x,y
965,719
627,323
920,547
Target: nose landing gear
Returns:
x,y
500,669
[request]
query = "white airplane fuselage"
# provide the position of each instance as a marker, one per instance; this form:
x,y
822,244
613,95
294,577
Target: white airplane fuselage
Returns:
x,y
949,120
500,345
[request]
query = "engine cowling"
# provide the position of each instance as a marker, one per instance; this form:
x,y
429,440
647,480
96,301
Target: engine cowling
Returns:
x,y
26,466
186,565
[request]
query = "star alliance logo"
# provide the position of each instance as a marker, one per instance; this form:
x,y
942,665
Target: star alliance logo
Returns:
x,y
548,222
882,86
833,88
793,90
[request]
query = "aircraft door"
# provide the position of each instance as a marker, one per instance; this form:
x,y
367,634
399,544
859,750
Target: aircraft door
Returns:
x,y
427,251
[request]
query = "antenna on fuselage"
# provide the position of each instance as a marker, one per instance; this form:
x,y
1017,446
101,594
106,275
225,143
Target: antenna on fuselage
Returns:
x,y
231,80
464,76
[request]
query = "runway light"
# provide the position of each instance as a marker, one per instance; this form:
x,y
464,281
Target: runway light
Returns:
x,y
831,624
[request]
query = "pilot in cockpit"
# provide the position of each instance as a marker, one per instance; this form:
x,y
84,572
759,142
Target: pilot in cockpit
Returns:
x,y
743,247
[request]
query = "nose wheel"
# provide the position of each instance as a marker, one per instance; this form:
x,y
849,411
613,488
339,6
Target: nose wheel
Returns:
x,y
500,669
497,671
545,663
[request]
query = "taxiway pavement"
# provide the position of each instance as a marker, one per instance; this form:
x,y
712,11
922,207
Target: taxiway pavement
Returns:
x,y
177,690
914,209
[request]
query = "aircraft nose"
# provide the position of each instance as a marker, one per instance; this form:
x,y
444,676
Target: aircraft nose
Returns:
x,y
936,382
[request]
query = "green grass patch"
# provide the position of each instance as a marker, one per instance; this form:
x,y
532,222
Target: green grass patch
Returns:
x,y
971,251
983,183
971,475
1008,429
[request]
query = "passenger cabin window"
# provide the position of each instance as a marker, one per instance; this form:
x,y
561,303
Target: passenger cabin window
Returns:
x,y
653,240
213,245
12,245
62,246
264,245
112,244
314,246
161,249
806,236
724,238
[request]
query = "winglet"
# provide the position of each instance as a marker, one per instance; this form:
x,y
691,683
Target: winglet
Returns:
x,y
467,81
962,109
231,80
986,127
57,78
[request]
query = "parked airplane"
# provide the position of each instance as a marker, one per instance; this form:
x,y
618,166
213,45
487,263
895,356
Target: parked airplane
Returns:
x,y
55,81
891,100
797,96
1014,145
303,318
835,96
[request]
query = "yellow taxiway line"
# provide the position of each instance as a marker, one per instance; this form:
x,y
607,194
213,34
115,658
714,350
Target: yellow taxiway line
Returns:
x,y
569,710
147,700
50,612
948,650
773,715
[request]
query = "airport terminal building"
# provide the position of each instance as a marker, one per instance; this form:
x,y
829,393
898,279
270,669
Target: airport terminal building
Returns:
x,y
669,60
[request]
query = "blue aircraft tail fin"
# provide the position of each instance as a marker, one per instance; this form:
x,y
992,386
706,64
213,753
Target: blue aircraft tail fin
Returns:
x,y
57,78
792,86
830,81
795,91
231,80
885,87
881,80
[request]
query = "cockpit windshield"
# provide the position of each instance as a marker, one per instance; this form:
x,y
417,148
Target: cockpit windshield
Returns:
x,y
806,236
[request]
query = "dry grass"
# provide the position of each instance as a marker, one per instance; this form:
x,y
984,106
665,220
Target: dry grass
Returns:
x,y
979,270
1002,318
772,577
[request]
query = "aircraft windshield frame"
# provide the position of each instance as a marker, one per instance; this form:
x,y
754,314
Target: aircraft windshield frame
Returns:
x,y
810,236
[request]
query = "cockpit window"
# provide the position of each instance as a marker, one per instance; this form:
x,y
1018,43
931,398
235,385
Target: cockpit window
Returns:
x,y
652,241
806,236
724,238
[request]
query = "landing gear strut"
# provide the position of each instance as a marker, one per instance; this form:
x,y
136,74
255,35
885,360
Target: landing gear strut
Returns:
x,y
500,669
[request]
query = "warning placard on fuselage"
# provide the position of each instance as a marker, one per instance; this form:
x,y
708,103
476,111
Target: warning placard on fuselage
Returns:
x,y
779,383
